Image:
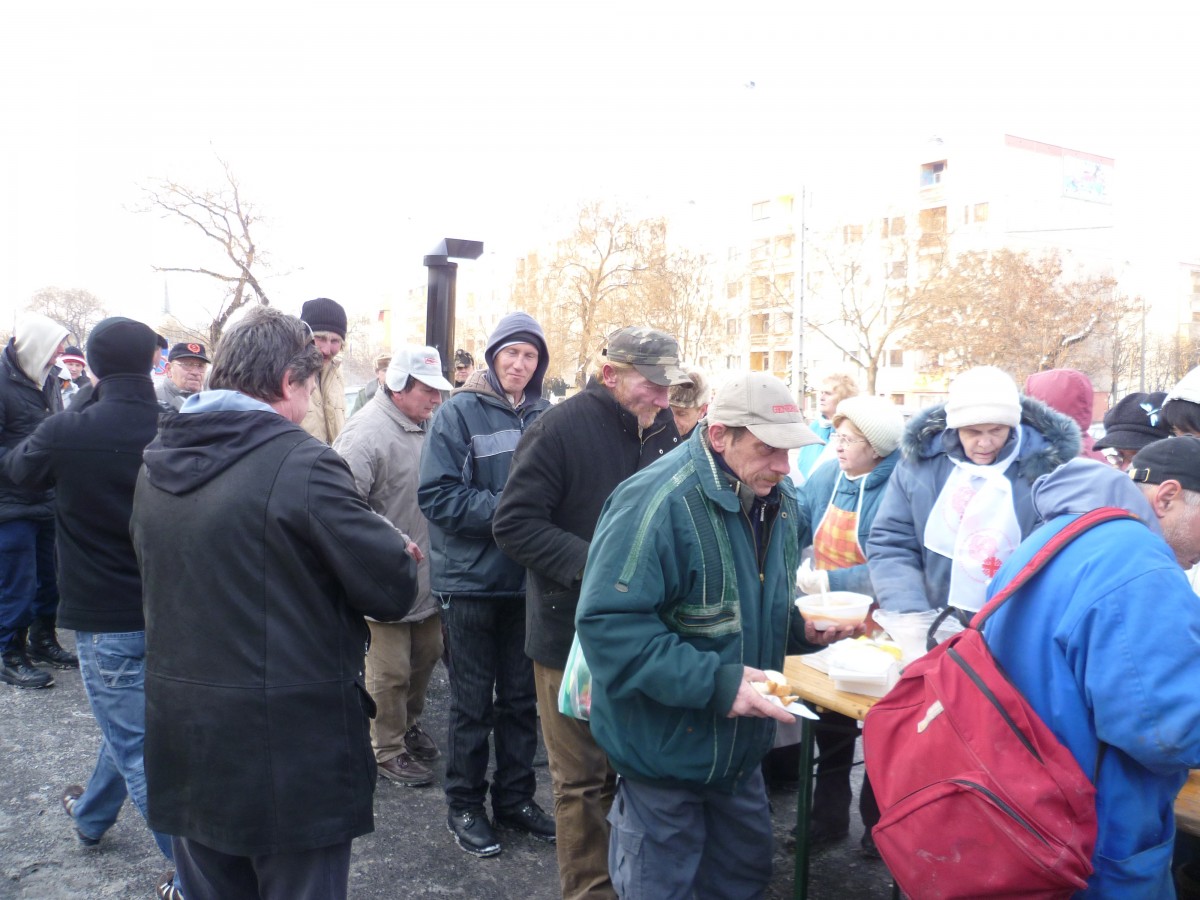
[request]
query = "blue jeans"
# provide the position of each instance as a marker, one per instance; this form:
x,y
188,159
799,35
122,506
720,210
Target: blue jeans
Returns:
x,y
113,666
28,585
486,639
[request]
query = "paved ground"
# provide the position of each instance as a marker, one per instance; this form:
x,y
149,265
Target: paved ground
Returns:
x,y
48,740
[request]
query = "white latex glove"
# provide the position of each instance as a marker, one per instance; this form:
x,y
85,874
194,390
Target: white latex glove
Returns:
x,y
810,580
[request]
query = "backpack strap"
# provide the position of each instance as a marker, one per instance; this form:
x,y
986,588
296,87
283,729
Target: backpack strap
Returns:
x,y
1048,551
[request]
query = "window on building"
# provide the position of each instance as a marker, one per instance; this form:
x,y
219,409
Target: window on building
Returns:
x,y
895,358
732,289
733,361
783,323
933,226
933,173
785,205
760,286
1196,281
733,326
896,226
852,234
933,220
760,323
760,249
783,246
898,399
981,212
898,269
759,360
734,254
781,362
760,210
783,285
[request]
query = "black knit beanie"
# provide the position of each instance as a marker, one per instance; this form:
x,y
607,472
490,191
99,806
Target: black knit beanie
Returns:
x,y
324,314
120,346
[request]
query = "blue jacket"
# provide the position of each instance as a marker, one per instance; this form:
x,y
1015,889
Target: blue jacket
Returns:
x,y
464,466
814,497
908,576
1105,644
673,605
806,457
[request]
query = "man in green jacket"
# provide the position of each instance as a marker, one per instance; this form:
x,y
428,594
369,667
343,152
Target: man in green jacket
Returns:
x,y
686,599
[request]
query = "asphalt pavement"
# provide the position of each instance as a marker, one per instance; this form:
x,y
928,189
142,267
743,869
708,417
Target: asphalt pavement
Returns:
x,y
48,740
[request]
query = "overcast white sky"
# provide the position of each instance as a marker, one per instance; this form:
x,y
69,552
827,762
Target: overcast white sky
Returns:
x,y
366,131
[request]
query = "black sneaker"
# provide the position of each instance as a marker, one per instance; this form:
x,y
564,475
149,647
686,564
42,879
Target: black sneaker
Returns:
x,y
420,745
529,818
49,653
18,671
472,832
867,845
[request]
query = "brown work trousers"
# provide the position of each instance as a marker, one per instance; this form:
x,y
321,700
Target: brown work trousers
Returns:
x,y
584,785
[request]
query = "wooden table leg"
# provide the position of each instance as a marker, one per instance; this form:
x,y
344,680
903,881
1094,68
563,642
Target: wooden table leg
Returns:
x,y
803,808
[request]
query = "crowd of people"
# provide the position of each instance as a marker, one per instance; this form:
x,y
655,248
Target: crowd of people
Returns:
x,y
646,531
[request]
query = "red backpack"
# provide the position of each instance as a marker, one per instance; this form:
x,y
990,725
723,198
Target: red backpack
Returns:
x,y
978,797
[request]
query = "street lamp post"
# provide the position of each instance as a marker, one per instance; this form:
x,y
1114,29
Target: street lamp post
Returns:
x,y
440,298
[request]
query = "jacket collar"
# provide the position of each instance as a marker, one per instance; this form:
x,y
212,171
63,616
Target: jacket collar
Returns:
x,y
719,484
627,420
394,414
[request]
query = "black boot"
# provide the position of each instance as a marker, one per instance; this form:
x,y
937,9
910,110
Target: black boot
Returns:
x,y
44,647
18,670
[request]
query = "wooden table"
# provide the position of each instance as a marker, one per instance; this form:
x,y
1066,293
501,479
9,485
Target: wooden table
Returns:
x,y
1187,805
816,688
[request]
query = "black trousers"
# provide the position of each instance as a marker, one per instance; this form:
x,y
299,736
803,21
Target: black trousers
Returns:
x,y
491,692
836,735
208,874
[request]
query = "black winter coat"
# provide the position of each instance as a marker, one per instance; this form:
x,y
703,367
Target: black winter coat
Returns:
x,y
565,466
23,406
92,459
259,559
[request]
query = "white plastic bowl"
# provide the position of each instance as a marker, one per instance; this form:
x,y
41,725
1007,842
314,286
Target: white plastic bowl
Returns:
x,y
837,608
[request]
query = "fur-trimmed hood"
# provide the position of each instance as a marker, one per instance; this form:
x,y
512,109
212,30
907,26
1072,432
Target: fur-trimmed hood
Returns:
x,y
1048,438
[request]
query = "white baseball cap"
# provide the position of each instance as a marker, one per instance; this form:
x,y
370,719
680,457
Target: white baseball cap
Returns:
x,y
762,403
422,363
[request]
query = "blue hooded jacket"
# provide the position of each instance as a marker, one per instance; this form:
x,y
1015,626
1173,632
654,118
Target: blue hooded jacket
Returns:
x,y
1105,644
464,466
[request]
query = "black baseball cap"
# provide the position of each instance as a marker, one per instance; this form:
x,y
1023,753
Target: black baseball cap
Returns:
x,y
1171,459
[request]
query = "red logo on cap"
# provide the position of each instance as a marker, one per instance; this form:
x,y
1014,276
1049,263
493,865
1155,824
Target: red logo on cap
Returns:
x,y
194,348
430,361
785,408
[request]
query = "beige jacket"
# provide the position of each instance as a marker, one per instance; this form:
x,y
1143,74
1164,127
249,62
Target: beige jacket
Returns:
x,y
326,414
382,446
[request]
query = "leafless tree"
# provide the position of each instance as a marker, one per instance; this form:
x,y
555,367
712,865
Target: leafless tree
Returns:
x,y
873,284
612,270
1013,310
227,219
76,310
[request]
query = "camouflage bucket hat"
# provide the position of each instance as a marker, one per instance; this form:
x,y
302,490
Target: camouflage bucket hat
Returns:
x,y
654,353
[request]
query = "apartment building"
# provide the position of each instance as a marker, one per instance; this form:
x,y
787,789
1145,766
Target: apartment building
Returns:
x,y
815,282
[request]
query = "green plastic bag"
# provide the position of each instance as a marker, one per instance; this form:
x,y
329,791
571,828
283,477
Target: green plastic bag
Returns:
x,y
575,692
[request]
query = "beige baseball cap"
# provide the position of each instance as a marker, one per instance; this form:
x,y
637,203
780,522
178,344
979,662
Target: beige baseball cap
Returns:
x,y
762,403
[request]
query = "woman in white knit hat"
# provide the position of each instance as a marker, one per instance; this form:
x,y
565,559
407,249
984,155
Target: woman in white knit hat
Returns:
x,y
959,501
837,506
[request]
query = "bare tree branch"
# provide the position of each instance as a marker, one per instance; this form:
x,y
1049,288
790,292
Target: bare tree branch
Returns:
x,y
228,220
